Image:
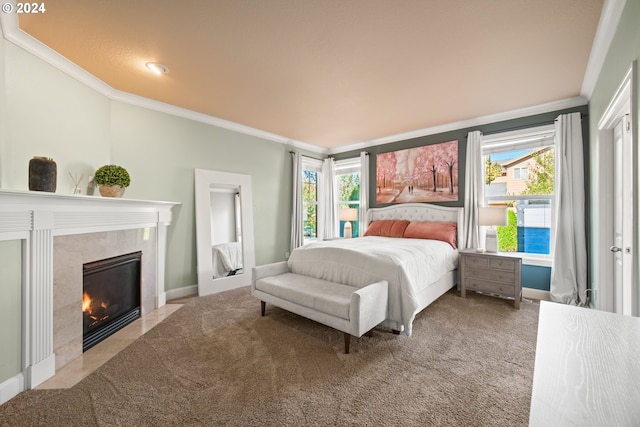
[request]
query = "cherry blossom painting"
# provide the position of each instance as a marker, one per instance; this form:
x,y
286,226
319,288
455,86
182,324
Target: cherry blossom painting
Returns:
x,y
422,174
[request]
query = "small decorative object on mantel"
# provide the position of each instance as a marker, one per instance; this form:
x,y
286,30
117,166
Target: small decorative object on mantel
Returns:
x,y
76,182
91,186
43,174
112,180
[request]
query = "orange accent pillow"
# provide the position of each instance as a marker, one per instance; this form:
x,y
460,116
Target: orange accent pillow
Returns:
x,y
445,231
387,228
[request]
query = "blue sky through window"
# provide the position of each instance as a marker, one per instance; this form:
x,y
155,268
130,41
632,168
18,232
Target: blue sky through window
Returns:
x,y
501,157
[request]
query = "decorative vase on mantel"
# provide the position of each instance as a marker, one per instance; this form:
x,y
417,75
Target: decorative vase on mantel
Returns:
x,y
111,190
43,174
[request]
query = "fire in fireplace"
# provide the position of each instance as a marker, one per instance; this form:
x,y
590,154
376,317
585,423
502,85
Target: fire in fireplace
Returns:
x,y
110,296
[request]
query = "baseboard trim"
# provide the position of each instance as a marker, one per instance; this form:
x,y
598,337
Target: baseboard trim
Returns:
x,y
41,371
11,388
536,294
186,291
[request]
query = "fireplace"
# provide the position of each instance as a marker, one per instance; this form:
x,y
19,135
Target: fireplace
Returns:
x,y
110,296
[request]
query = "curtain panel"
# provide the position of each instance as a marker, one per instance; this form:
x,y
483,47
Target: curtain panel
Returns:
x,y
329,205
474,191
569,268
364,191
297,231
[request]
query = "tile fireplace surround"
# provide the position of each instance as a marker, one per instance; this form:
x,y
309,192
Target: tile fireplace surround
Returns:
x,y
59,233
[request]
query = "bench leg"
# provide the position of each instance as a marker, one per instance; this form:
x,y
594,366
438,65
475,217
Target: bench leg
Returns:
x,y
263,306
347,340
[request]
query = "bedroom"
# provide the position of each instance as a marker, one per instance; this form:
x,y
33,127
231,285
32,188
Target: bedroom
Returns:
x,y
40,101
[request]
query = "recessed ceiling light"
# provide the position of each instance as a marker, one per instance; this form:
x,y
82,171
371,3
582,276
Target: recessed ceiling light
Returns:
x,y
157,68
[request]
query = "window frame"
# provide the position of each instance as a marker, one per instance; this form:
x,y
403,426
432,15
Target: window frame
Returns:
x,y
523,139
313,165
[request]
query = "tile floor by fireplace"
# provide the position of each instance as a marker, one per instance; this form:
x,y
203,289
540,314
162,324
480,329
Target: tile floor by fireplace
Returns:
x,y
92,359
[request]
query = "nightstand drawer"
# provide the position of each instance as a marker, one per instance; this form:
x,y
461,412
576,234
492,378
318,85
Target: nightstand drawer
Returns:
x,y
491,287
503,263
492,275
476,261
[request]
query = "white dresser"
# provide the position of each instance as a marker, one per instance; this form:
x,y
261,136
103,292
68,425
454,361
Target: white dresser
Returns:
x,y
587,368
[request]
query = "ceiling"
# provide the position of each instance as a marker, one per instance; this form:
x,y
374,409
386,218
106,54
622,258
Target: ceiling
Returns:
x,y
330,73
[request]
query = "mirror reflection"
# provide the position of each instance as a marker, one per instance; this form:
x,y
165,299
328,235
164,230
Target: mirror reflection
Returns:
x,y
226,231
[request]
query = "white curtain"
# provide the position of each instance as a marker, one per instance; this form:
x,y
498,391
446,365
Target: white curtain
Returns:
x,y
474,191
297,231
364,191
569,268
329,202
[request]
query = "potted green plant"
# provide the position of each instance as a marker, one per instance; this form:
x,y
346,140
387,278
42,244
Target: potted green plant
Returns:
x,y
112,180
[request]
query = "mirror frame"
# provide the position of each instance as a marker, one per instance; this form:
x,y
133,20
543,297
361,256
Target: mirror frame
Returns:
x,y
205,180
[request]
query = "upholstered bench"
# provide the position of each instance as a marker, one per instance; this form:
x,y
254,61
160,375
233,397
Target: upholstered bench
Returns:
x,y
354,311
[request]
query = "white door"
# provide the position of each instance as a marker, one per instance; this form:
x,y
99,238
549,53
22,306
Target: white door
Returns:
x,y
622,215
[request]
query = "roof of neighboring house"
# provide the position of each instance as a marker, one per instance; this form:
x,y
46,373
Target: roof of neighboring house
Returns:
x,y
512,162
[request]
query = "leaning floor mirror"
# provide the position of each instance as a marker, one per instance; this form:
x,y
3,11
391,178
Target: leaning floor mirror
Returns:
x,y
224,230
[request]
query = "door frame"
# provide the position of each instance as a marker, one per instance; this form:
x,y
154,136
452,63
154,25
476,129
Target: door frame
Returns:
x,y
624,102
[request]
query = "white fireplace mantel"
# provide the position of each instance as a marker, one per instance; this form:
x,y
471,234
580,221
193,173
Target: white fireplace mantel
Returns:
x,y
36,218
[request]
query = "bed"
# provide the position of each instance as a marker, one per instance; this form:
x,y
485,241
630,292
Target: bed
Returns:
x,y
418,270
227,259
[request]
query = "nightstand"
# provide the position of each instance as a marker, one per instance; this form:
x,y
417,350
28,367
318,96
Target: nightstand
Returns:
x,y
491,273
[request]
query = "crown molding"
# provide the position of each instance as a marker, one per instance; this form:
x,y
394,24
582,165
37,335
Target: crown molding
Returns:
x,y
607,26
562,104
13,34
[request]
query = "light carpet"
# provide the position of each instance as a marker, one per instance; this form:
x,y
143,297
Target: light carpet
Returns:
x,y
216,361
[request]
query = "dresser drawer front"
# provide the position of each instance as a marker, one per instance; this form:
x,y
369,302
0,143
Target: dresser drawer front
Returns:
x,y
503,263
501,276
491,287
476,261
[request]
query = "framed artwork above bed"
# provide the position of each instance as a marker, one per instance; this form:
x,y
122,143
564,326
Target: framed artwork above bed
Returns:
x,y
421,174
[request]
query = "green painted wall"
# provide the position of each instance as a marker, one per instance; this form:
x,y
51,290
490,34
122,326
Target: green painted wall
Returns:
x,y
161,151
47,113
624,50
10,309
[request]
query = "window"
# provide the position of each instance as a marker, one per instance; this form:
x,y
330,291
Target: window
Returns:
x,y
519,174
348,196
311,177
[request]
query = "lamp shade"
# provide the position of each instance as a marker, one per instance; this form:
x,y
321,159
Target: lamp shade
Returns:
x,y
492,216
348,214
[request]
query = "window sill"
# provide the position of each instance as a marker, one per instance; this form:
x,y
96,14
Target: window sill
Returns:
x,y
531,259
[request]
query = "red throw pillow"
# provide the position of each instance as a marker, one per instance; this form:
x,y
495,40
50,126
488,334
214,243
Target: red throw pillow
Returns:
x,y
445,231
387,228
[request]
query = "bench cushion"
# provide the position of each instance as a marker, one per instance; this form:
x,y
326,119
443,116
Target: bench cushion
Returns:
x,y
317,294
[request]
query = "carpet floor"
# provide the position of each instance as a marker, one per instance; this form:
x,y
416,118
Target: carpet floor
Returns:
x,y
217,362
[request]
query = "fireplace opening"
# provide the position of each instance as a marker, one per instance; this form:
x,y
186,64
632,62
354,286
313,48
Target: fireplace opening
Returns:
x,y
110,296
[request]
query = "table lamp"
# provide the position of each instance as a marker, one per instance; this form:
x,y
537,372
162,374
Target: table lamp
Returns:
x,y
491,217
347,215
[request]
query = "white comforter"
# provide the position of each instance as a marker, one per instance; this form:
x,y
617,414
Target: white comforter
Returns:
x,y
409,265
227,257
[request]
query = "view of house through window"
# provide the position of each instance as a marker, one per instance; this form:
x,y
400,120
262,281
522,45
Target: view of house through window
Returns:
x,y
519,175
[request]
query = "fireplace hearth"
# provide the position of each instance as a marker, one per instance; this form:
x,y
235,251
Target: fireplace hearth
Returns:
x,y
110,296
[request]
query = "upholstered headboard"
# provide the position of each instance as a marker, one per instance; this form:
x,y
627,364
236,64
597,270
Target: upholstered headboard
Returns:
x,y
421,212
